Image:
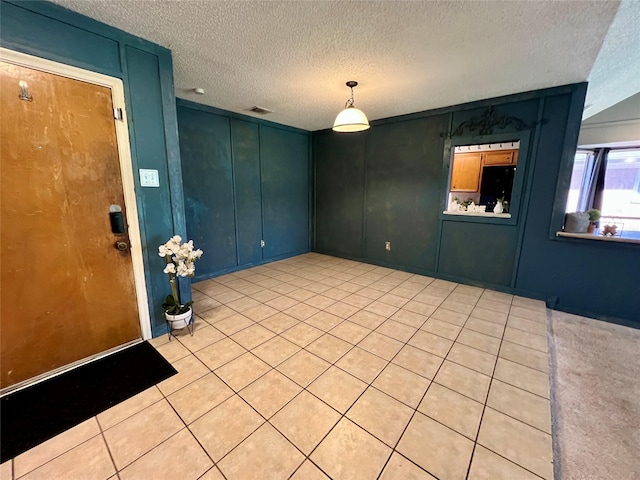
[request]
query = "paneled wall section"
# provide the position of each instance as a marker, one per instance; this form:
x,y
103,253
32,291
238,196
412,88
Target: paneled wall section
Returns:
x,y
245,181
388,184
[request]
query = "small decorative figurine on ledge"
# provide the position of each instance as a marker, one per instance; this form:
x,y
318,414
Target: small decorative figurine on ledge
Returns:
x,y
609,230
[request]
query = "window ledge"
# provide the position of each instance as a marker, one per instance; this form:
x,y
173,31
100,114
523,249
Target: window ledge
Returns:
x,y
479,214
590,236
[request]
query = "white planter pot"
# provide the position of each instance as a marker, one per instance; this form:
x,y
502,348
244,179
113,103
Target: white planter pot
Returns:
x,y
179,321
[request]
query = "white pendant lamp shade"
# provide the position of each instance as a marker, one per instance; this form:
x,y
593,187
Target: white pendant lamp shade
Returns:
x,y
351,119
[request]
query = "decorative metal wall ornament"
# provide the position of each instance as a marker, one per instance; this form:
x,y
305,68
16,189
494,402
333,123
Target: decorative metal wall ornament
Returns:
x,y
487,122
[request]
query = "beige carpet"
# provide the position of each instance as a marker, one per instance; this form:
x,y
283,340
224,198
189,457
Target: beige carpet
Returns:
x,y
595,369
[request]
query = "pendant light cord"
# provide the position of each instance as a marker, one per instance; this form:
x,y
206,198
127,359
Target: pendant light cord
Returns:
x,y
350,101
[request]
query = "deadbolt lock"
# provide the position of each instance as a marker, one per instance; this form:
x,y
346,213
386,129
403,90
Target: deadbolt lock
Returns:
x,y
121,246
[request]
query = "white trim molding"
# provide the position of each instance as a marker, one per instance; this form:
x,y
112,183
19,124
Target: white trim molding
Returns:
x,y
618,133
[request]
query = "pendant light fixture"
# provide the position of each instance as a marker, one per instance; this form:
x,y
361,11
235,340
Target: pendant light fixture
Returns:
x,y
351,119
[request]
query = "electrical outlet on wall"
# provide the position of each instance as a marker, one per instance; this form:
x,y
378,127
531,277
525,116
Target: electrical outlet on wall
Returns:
x,y
387,246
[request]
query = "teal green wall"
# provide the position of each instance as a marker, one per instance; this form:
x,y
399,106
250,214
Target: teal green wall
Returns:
x,y
386,184
48,31
389,184
599,279
248,207
245,180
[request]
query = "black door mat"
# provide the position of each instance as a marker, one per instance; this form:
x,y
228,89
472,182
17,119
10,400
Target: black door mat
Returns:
x,y
35,414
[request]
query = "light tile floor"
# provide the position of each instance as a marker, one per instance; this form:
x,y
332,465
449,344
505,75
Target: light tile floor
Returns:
x,y
317,367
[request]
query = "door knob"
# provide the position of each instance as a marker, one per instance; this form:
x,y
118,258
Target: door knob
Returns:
x,y
121,246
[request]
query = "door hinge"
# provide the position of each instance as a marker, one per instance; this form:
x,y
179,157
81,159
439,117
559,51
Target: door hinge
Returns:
x,y
261,243
118,114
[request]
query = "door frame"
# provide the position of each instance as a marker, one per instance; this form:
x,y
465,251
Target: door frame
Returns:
x,y
126,164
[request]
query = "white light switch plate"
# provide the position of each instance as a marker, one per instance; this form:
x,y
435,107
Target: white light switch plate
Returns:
x,y
149,178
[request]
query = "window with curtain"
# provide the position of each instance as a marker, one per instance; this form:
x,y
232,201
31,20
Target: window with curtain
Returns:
x,y
608,180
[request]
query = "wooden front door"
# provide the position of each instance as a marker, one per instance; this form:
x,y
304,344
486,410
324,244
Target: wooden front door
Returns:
x,y
67,293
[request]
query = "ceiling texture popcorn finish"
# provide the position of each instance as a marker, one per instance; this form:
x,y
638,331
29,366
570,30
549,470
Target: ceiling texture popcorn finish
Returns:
x,y
616,73
293,57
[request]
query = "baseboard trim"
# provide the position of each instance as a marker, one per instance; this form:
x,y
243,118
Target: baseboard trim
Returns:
x,y
237,268
552,301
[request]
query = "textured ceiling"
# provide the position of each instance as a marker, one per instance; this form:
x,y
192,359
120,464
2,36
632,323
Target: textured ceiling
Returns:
x,y
628,109
294,57
616,73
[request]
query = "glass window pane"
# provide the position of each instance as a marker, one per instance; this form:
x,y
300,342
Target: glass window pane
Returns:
x,y
577,177
621,196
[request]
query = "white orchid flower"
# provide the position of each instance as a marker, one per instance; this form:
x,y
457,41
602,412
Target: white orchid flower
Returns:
x,y
182,270
181,259
170,268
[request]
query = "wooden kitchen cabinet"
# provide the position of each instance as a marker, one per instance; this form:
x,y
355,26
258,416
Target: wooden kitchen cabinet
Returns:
x,y
502,157
465,175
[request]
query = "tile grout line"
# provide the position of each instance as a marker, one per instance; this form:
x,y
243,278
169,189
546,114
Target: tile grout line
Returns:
x,y
370,384
215,468
104,439
434,381
303,389
415,410
484,406
307,457
342,415
388,317
164,397
186,427
58,455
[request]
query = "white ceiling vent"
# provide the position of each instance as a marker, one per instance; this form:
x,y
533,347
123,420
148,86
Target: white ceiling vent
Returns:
x,y
259,110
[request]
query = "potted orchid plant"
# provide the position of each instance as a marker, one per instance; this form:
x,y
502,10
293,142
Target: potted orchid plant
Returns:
x,y
180,261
